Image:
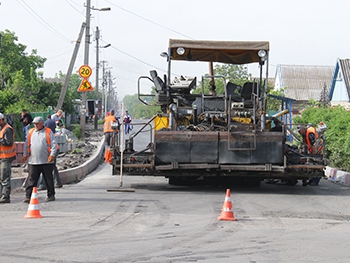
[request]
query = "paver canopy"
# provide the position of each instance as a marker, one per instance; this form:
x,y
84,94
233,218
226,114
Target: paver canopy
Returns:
x,y
232,52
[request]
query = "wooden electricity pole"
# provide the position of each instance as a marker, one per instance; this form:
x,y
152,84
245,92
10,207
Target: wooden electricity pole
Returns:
x,y
70,68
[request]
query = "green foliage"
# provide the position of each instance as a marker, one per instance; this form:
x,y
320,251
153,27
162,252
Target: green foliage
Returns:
x,y
78,150
76,130
14,61
17,125
137,109
337,135
272,103
237,74
21,86
72,92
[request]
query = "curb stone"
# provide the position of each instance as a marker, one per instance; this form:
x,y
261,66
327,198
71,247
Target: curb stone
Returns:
x,y
71,175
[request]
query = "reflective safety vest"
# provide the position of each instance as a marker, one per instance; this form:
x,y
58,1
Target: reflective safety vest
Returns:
x,y
48,139
7,151
309,145
107,127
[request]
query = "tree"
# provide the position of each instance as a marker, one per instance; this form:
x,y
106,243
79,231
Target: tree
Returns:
x,y
237,74
14,61
72,93
18,77
272,103
137,109
21,86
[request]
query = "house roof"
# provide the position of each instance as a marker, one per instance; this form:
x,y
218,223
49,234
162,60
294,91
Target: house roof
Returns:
x,y
344,66
304,82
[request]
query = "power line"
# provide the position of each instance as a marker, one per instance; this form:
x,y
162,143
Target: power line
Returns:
x,y
150,21
81,13
115,65
41,20
127,54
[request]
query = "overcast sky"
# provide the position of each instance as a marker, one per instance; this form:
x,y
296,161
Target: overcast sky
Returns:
x,y
300,32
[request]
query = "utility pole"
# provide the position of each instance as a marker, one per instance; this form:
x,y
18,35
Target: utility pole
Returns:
x,y
70,69
97,68
104,86
107,91
86,62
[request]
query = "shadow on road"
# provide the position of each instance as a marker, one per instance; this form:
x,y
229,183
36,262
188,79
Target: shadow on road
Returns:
x,y
324,188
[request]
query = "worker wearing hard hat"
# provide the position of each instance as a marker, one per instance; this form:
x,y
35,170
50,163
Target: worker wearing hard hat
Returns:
x,y
7,155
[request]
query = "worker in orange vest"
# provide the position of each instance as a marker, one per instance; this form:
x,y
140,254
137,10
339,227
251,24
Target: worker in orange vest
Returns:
x,y
40,150
7,155
108,132
310,135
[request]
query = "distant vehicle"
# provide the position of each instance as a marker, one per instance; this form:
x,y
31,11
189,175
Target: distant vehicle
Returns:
x,y
214,137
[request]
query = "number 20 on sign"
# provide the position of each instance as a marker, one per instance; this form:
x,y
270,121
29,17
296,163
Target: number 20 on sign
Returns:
x,y
85,72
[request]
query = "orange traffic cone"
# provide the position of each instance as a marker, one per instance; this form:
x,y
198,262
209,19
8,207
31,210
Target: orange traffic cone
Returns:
x,y
226,211
33,208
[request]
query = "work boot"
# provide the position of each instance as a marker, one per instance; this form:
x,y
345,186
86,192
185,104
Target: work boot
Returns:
x,y
4,200
50,198
26,200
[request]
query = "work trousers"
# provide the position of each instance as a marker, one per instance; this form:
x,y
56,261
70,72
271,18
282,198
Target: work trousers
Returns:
x,y
127,128
34,171
25,130
108,138
56,176
5,178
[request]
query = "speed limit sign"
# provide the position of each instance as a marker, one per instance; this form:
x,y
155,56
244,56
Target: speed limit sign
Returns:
x,y
85,71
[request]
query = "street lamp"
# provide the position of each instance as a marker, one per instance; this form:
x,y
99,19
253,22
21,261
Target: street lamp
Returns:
x,y
86,60
101,9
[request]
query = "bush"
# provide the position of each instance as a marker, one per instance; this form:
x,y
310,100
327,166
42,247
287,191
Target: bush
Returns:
x,y
337,135
76,130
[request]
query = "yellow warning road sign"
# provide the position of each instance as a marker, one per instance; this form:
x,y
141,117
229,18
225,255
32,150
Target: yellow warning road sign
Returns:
x,y
85,71
85,86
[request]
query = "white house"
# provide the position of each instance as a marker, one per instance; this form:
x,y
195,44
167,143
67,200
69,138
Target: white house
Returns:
x,y
339,93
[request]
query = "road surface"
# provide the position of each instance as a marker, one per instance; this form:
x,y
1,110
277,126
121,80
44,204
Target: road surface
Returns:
x,y
163,223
